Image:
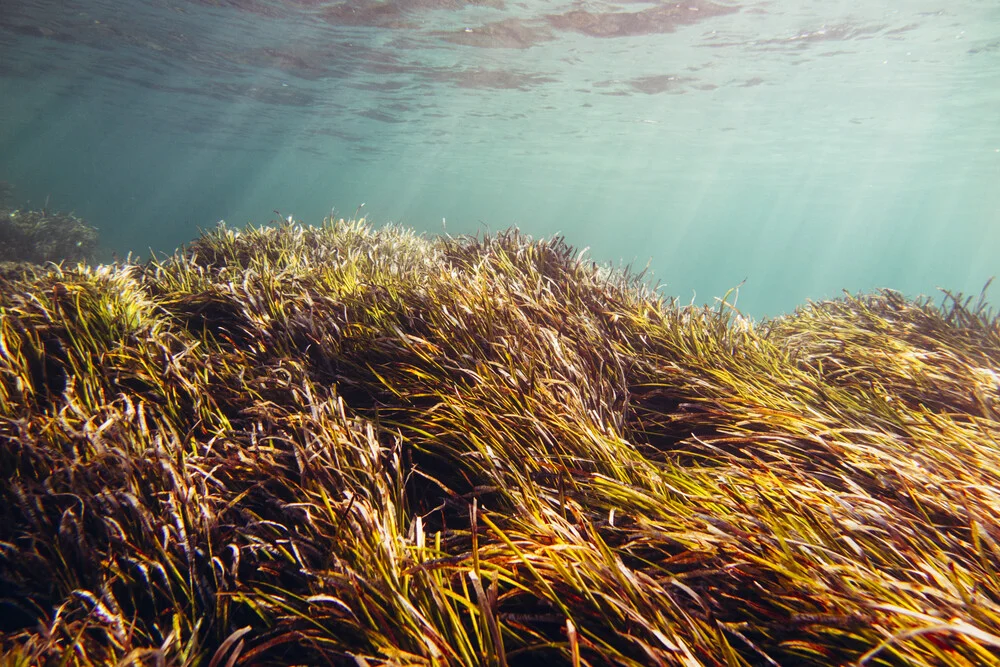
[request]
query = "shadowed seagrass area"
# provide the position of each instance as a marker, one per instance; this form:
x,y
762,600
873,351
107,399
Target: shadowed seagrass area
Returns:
x,y
343,445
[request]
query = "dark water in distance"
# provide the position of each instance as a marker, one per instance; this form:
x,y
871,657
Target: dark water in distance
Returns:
x,y
805,146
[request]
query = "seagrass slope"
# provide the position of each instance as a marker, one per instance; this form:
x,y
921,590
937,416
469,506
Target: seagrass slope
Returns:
x,y
347,445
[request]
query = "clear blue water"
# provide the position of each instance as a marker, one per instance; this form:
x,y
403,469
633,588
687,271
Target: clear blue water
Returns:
x,y
805,147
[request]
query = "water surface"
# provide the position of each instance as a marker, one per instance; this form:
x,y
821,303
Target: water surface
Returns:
x,y
804,147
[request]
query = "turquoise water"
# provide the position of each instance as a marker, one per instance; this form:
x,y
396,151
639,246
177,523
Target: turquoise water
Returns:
x,y
804,147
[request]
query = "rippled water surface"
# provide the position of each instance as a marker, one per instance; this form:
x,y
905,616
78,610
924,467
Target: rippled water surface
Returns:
x,y
804,147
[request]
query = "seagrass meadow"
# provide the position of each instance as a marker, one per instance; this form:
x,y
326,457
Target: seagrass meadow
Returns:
x,y
347,445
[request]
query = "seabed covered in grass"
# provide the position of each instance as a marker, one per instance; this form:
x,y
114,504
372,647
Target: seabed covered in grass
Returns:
x,y
40,236
341,445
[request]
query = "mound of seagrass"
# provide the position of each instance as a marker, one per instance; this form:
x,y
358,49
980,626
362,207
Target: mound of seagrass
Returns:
x,y
341,445
37,237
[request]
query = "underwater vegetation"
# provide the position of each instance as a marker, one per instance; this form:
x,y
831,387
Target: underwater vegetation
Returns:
x,y
39,236
342,445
